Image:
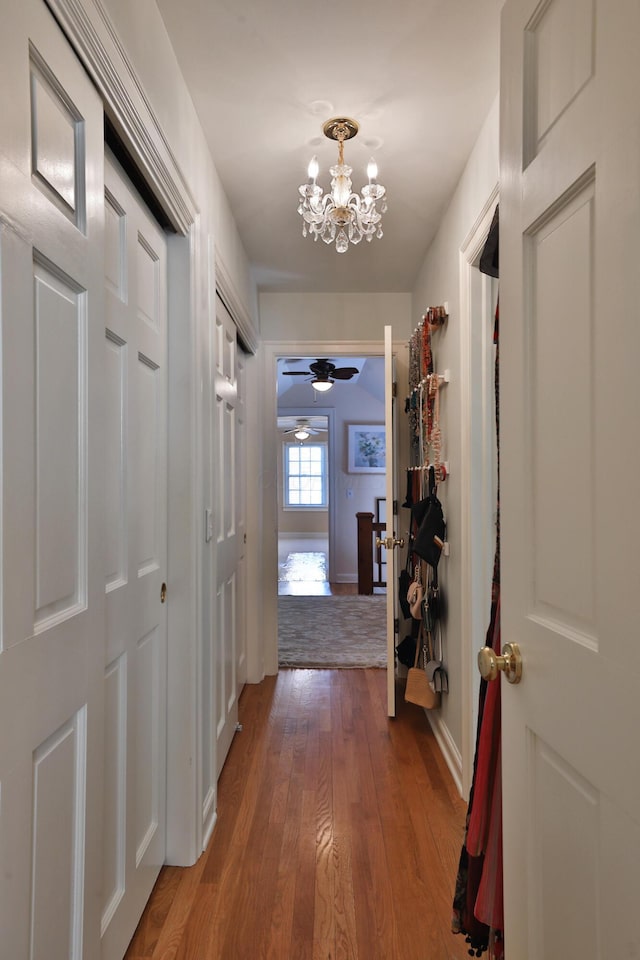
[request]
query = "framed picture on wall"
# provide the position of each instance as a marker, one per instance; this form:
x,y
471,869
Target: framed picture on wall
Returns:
x,y
366,448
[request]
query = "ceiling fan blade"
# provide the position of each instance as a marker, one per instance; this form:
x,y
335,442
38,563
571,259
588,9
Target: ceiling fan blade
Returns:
x,y
345,373
296,373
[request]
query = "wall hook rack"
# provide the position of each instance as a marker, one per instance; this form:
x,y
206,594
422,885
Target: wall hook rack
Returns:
x,y
436,317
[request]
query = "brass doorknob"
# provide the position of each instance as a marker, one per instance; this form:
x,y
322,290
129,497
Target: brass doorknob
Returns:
x,y
510,663
163,593
389,542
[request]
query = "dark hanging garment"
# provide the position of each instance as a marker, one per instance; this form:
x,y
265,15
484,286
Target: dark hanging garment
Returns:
x,y
489,262
478,899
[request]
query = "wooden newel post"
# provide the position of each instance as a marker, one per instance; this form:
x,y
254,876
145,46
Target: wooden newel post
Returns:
x,y
365,552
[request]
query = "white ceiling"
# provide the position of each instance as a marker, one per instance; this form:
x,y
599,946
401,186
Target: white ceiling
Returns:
x,y
419,76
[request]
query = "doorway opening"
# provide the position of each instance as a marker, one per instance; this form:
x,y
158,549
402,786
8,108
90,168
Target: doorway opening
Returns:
x,y
328,526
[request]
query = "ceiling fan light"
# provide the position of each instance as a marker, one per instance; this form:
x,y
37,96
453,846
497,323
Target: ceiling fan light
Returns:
x,y
322,385
302,434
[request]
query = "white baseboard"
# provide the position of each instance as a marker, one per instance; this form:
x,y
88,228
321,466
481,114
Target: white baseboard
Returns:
x,y
448,748
345,578
208,829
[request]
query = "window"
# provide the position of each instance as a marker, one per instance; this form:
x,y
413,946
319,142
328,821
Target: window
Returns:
x,y
305,476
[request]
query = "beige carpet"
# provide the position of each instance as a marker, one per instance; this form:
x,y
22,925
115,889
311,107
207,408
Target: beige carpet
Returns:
x,y
332,632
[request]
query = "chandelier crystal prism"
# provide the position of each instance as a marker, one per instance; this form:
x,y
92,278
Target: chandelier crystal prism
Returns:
x,y
342,216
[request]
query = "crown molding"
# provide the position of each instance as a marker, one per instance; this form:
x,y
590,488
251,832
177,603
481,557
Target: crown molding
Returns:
x,y
91,33
228,293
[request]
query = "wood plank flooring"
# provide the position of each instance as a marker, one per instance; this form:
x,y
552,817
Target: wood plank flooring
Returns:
x,y
338,835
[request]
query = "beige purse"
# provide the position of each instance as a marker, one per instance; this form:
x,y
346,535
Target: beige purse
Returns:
x,y
418,689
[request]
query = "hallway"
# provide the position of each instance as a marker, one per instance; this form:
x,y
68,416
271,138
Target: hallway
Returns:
x,y
338,835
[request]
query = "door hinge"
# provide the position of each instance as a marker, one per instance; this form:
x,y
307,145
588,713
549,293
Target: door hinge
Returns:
x,y
396,627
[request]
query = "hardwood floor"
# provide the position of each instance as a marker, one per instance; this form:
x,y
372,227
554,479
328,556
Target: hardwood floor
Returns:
x,y
338,835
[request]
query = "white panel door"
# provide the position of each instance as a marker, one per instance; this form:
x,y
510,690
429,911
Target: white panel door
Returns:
x,y
229,531
392,519
241,508
570,463
134,438
51,587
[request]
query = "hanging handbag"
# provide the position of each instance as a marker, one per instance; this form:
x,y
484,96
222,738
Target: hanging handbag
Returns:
x,y
429,540
404,586
433,599
418,689
406,649
436,673
415,594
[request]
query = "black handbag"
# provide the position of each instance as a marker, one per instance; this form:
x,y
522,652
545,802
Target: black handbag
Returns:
x,y
419,511
404,582
406,649
429,539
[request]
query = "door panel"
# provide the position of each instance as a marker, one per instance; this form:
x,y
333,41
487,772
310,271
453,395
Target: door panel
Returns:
x,y
52,601
115,473
115,747
58,839
135,558
60,365
570,219
559,263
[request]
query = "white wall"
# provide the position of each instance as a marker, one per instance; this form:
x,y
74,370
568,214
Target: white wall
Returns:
x,y
333,316
439,281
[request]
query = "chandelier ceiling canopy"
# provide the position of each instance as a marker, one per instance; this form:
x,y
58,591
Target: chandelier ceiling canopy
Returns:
x,y
342,216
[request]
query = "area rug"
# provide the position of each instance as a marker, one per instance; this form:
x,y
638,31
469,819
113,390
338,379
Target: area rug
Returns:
x,y
332,632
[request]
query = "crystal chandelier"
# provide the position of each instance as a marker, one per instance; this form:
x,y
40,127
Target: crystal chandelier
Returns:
x,y
341,215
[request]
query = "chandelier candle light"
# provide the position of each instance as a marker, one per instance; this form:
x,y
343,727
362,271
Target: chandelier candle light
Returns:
x,y
341,215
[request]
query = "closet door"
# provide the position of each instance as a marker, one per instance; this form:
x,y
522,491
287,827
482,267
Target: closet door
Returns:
x,y
570,462
229,484
135,516
51,519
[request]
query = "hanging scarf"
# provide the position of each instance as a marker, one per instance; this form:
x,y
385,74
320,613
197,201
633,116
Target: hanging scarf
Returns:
x,y
478,910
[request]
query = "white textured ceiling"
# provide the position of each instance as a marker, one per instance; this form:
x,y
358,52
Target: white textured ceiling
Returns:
x,y
419,76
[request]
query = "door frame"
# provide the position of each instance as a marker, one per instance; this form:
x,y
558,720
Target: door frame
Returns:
x,y
477,507
268,430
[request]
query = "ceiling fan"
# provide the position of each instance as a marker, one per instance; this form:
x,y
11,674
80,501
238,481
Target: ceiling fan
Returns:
x,y
302,426
323,373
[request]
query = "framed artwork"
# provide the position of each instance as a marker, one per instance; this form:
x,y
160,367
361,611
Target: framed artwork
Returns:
x,y
366,448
